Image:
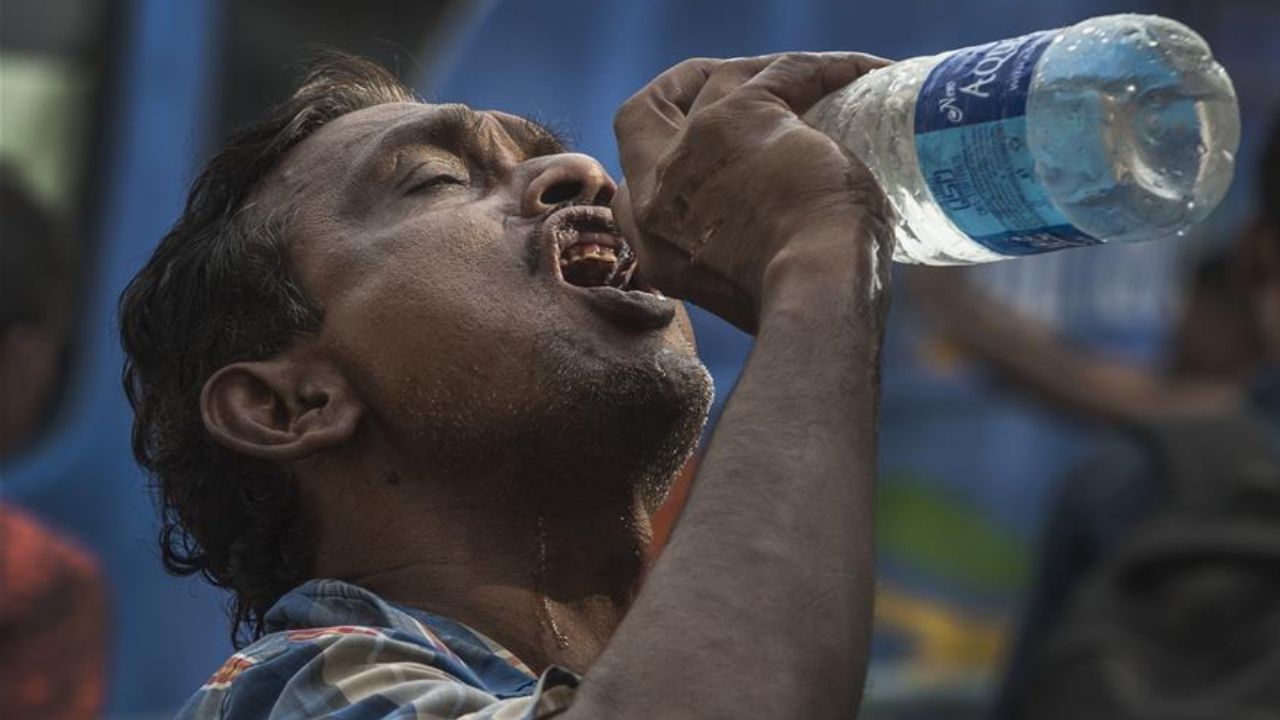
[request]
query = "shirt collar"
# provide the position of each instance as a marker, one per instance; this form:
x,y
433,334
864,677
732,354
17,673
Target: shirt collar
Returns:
x,y
329,603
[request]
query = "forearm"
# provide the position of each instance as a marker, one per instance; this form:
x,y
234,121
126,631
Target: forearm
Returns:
x,y
760,605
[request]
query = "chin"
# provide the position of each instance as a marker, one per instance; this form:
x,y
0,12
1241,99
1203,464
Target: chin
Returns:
x,y
576,414
678,425
635,419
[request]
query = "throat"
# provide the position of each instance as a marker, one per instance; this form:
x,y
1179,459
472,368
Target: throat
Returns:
x,y
583,582
545,611
549,581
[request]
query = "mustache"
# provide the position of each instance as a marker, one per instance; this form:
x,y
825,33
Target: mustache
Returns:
x,y
611,227
533,247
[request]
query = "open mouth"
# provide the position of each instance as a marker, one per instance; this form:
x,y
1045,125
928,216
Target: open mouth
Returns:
x,y
589,250
592,259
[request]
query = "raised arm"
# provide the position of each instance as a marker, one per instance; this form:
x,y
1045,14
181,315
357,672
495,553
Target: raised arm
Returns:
x,y
760,605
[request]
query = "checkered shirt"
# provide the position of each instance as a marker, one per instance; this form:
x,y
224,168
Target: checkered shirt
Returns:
x,y
334,650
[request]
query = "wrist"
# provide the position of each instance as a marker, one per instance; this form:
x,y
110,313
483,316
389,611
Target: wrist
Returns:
x,y
840,266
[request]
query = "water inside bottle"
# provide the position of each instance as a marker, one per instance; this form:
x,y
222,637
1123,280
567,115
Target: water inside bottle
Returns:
x,y
1130,123
1133,127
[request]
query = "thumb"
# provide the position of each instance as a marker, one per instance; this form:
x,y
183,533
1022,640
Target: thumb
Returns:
x,y
622,213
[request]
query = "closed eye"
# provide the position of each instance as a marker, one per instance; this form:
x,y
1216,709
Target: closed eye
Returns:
x,y
435,182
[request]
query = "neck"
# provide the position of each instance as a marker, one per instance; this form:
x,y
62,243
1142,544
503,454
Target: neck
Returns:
x,y
544,565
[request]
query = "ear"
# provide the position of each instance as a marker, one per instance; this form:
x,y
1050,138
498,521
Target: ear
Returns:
x,y
278,409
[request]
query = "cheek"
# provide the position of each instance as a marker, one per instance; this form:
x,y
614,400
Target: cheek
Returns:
x,y
446,324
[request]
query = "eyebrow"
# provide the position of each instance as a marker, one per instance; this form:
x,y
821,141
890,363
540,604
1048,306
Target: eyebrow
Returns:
x,y
535,137
459,129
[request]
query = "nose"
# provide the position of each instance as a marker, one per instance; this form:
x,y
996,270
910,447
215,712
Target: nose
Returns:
x,y
567,177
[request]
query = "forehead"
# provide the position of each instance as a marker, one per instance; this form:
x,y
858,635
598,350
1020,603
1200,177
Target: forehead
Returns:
x,y
367,141
385,127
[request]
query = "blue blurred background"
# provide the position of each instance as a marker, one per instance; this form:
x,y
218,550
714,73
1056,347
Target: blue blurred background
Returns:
x,y
108,107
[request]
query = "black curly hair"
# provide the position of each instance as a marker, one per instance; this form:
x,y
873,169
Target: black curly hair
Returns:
x,y
218,290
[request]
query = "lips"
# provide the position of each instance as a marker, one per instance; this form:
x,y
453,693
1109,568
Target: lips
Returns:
x,y
587,248
592,260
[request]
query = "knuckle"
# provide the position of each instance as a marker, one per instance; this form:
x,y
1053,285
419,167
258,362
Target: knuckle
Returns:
x,y
800,63
744,64
695,64
628,114
621,119
798,58
629,106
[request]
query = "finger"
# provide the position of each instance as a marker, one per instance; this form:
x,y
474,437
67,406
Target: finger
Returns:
x,y
799,80
650,265
649,121
679,84
652,118
729,76
649,127
622,217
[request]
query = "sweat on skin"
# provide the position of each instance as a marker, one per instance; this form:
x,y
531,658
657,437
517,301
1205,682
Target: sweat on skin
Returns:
x,y
480,432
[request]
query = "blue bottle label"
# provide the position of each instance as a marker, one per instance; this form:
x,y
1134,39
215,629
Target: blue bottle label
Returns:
x,y
971,141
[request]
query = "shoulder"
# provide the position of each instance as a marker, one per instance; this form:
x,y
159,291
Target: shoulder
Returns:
x,y
329,645
336,648
295,673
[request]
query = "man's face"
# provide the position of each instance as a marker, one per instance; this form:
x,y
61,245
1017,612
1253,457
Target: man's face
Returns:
x,y
438,244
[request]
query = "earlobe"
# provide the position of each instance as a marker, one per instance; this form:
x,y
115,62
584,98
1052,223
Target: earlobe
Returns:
x,y
269,410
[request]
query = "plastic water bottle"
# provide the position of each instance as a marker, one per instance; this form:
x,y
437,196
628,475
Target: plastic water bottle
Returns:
x,y
1118,129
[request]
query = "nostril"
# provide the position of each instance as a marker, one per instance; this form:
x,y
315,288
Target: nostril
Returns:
x,y
561,192
605,195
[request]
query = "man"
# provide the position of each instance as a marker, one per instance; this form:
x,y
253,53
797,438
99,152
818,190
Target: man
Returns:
x,y
407,393
38,304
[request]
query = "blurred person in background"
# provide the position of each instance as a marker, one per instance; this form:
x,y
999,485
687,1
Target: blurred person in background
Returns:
x,y
405,395
1156,587
38,302
52,599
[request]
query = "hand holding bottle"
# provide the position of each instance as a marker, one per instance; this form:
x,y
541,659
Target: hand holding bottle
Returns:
x,y
723,178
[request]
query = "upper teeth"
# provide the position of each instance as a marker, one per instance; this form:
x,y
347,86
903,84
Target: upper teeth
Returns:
x,y
591,251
